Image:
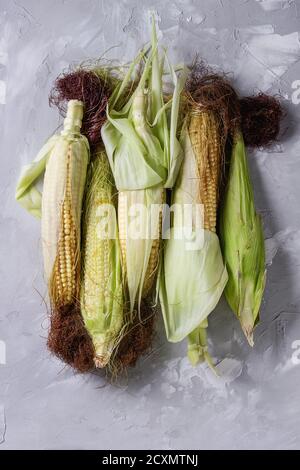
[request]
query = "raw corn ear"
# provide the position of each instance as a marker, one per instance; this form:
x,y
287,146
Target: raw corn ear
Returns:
x,y
144,157
64,158
101,297
63,189
242,241
193,273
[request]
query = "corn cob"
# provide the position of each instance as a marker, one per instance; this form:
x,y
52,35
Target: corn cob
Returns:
x,y
65,157
242,242
61,209
101,291
193,278
203,133
139,214
144,159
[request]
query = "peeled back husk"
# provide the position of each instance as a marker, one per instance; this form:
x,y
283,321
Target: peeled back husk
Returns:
x,y
242,242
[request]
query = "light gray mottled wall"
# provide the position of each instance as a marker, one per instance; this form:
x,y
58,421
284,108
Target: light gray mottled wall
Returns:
x,y
165,403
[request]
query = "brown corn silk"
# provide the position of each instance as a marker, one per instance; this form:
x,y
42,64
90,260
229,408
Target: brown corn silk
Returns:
x,y
260,119
257,116
68,338
93,88
136,340
213,92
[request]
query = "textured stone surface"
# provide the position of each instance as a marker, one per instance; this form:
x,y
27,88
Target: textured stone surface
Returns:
x,y
165,403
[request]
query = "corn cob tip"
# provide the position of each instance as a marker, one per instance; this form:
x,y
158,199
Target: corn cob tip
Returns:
x,y
101,361
247,320
73,119
103,349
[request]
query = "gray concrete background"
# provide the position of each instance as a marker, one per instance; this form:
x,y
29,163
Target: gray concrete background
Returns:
x,y
164,403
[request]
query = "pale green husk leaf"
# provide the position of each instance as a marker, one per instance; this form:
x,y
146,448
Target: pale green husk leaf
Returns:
x,y
27,193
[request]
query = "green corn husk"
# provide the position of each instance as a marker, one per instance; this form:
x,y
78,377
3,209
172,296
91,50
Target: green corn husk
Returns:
x,y
101,297
27,193
242,242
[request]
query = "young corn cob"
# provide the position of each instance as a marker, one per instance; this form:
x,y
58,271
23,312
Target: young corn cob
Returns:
x,y
203,133
242,242
144,159
63,189
65,157
204,136
140,243
101,285
193,278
